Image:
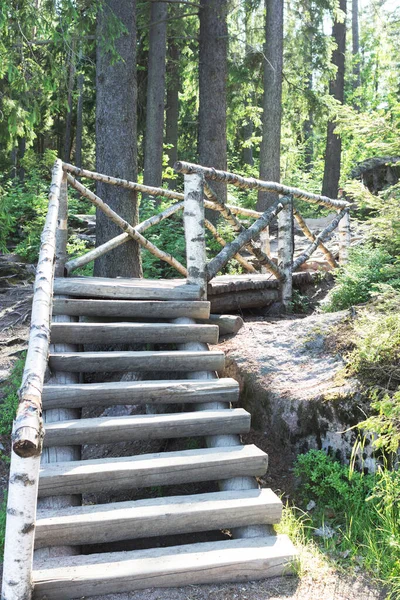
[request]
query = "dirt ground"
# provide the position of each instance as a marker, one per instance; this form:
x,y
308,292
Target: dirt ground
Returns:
x,y
317,579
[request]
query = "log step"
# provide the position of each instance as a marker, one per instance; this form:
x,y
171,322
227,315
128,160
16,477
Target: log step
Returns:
x,y
132,333
105,430
95,362
208,464
140,392
211,562
133,309
156,517
128,289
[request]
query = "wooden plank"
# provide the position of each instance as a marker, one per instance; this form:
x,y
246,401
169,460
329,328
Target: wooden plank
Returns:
x,y
130,289
94,362
147,470
140,392
210,562
104,430
96,524
132,333
131,308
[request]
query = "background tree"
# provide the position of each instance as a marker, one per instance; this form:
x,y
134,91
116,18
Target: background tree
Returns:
x,y
213,70
333,152
153,150
116,150
270,152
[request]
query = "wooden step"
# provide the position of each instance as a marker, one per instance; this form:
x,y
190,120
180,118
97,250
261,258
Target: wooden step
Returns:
x,y
146,470
105,430
139,309
156,517
211,562
140,392
178,360
129,289
132,333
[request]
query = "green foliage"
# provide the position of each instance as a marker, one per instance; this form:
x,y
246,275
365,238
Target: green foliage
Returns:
x,y
368,267
8,407
363,510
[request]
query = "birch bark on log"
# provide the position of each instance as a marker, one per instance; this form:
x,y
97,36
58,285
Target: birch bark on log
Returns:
x,y
28,430
20,528
237,226
243,238
113,216
311,236
238,257
257,184
285,251
193,218
344,238
66,453
120,239
322,237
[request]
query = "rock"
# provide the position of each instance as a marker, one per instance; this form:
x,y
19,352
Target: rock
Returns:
x,y
311,505
293,384
325,532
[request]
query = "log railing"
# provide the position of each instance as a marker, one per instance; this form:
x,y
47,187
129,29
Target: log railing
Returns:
x,y
198,195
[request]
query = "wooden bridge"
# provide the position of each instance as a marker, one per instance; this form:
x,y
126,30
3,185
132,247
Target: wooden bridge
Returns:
x,y
62,510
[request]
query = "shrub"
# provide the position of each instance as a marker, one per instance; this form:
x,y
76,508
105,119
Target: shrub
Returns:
x,y
363,510
360,277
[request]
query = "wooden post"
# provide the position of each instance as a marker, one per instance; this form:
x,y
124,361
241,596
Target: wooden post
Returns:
x,y
344,238
28,430
62,229
20,527
64,453
193,218
265,247
285,250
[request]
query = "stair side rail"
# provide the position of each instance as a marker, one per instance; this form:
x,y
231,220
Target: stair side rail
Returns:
x,y
27,433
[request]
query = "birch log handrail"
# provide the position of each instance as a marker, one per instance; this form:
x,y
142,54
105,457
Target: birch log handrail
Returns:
x,y
237,226
125,226
258,184
28,427
217,263
312,237
238,257
121,239
322,237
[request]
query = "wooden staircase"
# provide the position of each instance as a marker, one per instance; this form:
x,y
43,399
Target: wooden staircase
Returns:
x,y
194,405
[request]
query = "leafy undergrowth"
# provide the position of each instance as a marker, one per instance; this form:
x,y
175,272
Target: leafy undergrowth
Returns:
x,y
8,409
355,521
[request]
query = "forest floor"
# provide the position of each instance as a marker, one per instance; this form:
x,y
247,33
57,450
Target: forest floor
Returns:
x,y
318,579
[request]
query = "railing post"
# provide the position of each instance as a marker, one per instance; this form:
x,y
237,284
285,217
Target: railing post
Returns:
x,y
62,229
344,238
285,251
193,218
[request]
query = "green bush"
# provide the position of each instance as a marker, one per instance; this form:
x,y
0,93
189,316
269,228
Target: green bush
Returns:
x,y
360,277
8,407
362,510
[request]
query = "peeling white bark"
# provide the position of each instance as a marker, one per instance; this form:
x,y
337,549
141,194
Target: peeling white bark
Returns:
x,y
193,218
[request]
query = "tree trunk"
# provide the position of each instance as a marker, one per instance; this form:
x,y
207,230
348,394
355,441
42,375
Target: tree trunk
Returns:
x,y
333,150
154,135
270,153
116,150
172,112
79,117
308,126
68,118
356,45
213,70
